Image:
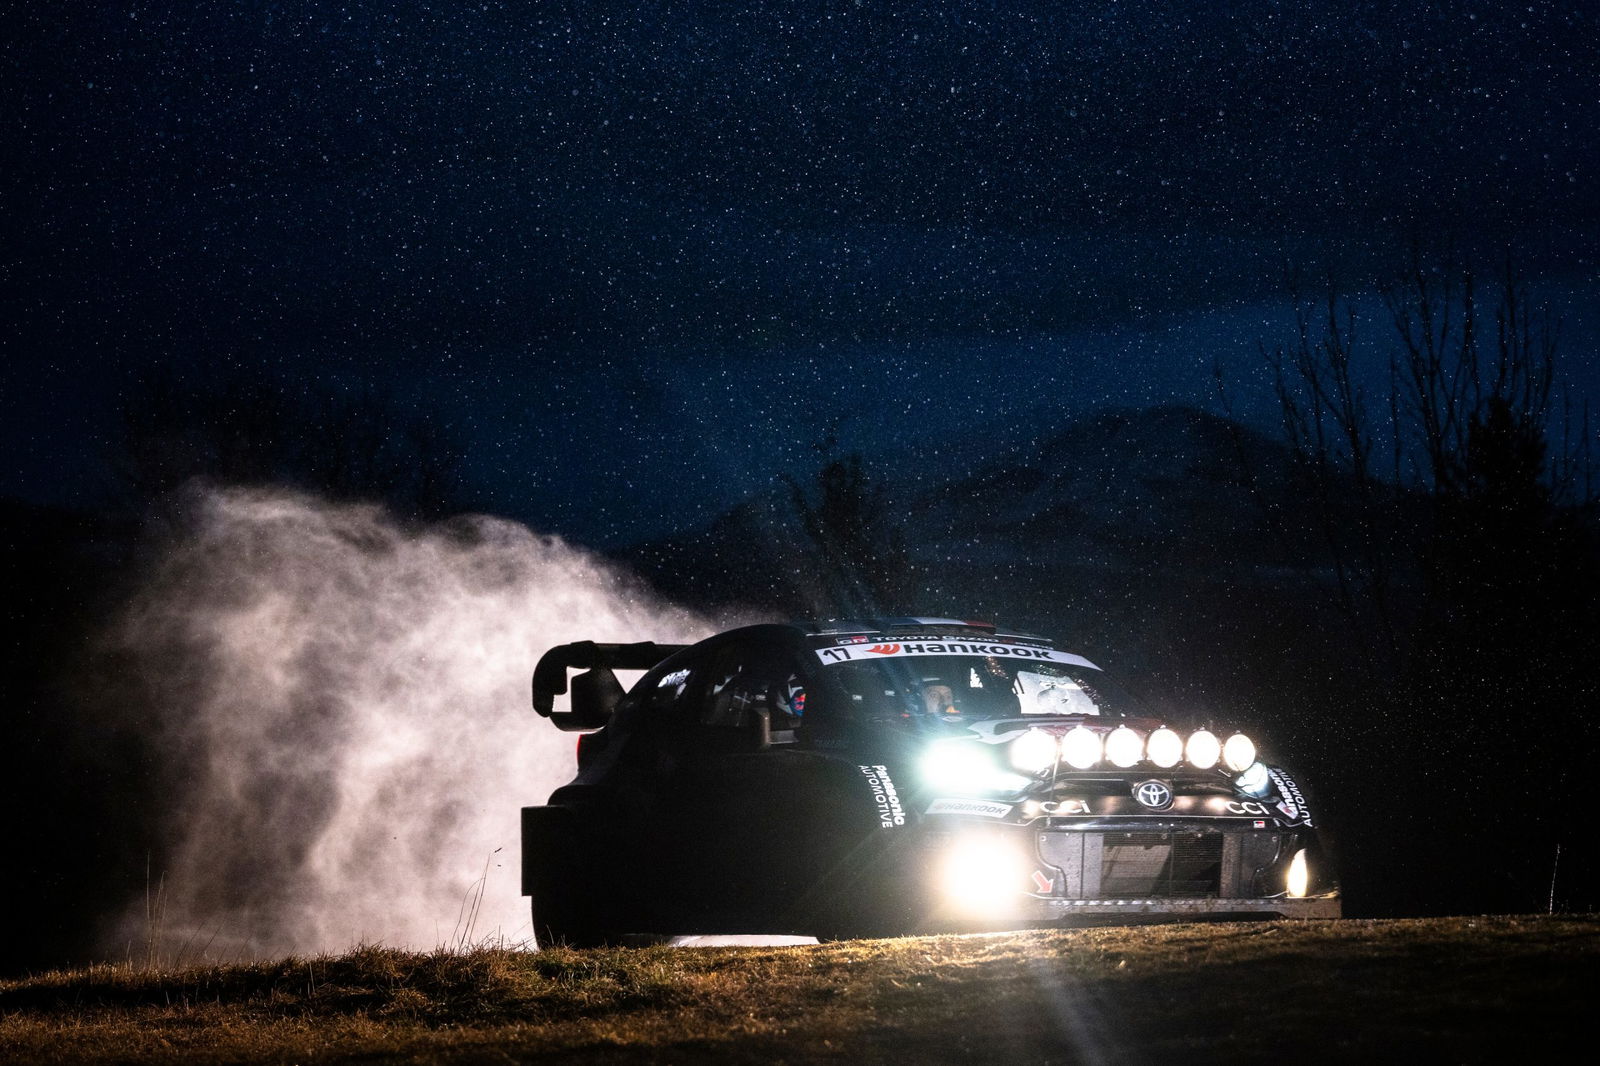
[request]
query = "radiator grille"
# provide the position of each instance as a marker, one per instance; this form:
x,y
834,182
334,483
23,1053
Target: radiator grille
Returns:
x,y
1161,864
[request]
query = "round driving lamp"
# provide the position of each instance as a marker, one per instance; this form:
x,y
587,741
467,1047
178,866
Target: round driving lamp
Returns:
x,y
1203,749
1239,753
1033,751
1164,747
1124,747
1081,748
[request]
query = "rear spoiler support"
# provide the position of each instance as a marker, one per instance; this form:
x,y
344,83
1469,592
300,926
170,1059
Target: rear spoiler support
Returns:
x,y
596,691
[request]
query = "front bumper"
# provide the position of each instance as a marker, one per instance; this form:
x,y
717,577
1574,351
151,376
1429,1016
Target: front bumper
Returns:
x,y
1124,872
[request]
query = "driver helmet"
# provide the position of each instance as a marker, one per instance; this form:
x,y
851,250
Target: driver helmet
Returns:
x,y
938,697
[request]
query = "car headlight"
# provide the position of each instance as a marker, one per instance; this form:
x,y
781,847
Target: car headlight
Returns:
x,y
957,767
1203,749
1165,747
1033,751
966,768
1124,746
1299,879
982,872
1239,753
1081,748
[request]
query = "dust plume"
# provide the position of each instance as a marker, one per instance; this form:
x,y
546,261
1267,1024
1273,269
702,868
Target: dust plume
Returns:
x,y
341,706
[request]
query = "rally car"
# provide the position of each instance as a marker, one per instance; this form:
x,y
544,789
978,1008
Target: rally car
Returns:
x,y
889,776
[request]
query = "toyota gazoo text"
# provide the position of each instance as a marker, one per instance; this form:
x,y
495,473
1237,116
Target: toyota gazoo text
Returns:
x,y
891,776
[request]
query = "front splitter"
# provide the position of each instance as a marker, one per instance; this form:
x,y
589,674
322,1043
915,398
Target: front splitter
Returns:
x,y
1052,909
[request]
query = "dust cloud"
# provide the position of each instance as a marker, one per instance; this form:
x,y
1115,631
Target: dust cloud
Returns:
x,y
340,704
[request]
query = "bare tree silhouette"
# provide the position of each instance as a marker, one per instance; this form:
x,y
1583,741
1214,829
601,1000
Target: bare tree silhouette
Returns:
x,y
848,519
1467,572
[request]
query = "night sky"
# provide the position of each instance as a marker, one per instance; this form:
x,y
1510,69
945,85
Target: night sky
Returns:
x,y
642,257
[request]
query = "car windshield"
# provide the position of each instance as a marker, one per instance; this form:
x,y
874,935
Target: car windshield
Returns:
x,y
973,685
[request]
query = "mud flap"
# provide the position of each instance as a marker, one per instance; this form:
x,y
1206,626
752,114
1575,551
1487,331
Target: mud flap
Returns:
x,y
556,878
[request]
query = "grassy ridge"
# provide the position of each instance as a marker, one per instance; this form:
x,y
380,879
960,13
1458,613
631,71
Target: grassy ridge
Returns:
x,y
1462,989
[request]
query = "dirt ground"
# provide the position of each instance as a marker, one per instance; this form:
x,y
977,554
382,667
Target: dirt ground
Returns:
x,y
1458,989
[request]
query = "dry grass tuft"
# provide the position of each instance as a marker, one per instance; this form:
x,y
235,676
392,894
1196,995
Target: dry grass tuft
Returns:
x,y
1467,989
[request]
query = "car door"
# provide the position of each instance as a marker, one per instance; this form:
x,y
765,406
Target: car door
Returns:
x,y
717,803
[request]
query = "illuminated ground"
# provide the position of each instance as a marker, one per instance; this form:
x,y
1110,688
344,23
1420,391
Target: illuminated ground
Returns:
x,y
1460,989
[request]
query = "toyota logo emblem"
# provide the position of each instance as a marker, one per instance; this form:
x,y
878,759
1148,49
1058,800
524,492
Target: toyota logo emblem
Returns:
x,y
1153,794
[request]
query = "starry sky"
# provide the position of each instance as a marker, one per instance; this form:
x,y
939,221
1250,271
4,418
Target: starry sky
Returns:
x,y
643,256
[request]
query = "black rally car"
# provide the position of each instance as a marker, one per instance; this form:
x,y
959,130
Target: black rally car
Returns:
x,y
890,776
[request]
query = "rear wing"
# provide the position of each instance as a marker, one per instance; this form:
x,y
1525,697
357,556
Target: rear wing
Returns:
x,y
595,692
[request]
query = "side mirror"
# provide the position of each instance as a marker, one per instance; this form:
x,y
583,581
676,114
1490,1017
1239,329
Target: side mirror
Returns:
x,y
595,694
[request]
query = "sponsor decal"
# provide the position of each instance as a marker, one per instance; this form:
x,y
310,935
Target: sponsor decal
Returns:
x,y
855,653
1290,801
885,797
1064,806
1156,795
1250,807
1258,824
981,808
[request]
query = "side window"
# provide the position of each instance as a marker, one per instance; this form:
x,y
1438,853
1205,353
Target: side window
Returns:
x,y
742,681
665,696
732,690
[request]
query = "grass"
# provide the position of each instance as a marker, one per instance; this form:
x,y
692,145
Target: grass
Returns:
x,y
1461,989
